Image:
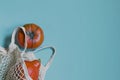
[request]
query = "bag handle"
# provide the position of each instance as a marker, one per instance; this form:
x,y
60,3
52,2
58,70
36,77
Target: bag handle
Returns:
x,y
12,44
47,65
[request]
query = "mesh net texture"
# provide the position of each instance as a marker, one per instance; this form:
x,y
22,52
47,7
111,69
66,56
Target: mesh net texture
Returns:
x,y
6,61
16,72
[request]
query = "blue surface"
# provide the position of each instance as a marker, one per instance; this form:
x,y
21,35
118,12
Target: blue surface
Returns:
x,y
86,34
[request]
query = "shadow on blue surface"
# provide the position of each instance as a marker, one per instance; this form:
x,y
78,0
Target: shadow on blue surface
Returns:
x,y
7,41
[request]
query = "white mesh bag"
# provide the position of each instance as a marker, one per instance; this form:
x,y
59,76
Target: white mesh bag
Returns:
x,y
7,58
16,53
19,70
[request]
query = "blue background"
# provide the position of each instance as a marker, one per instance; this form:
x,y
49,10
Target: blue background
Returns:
x,y
86,34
